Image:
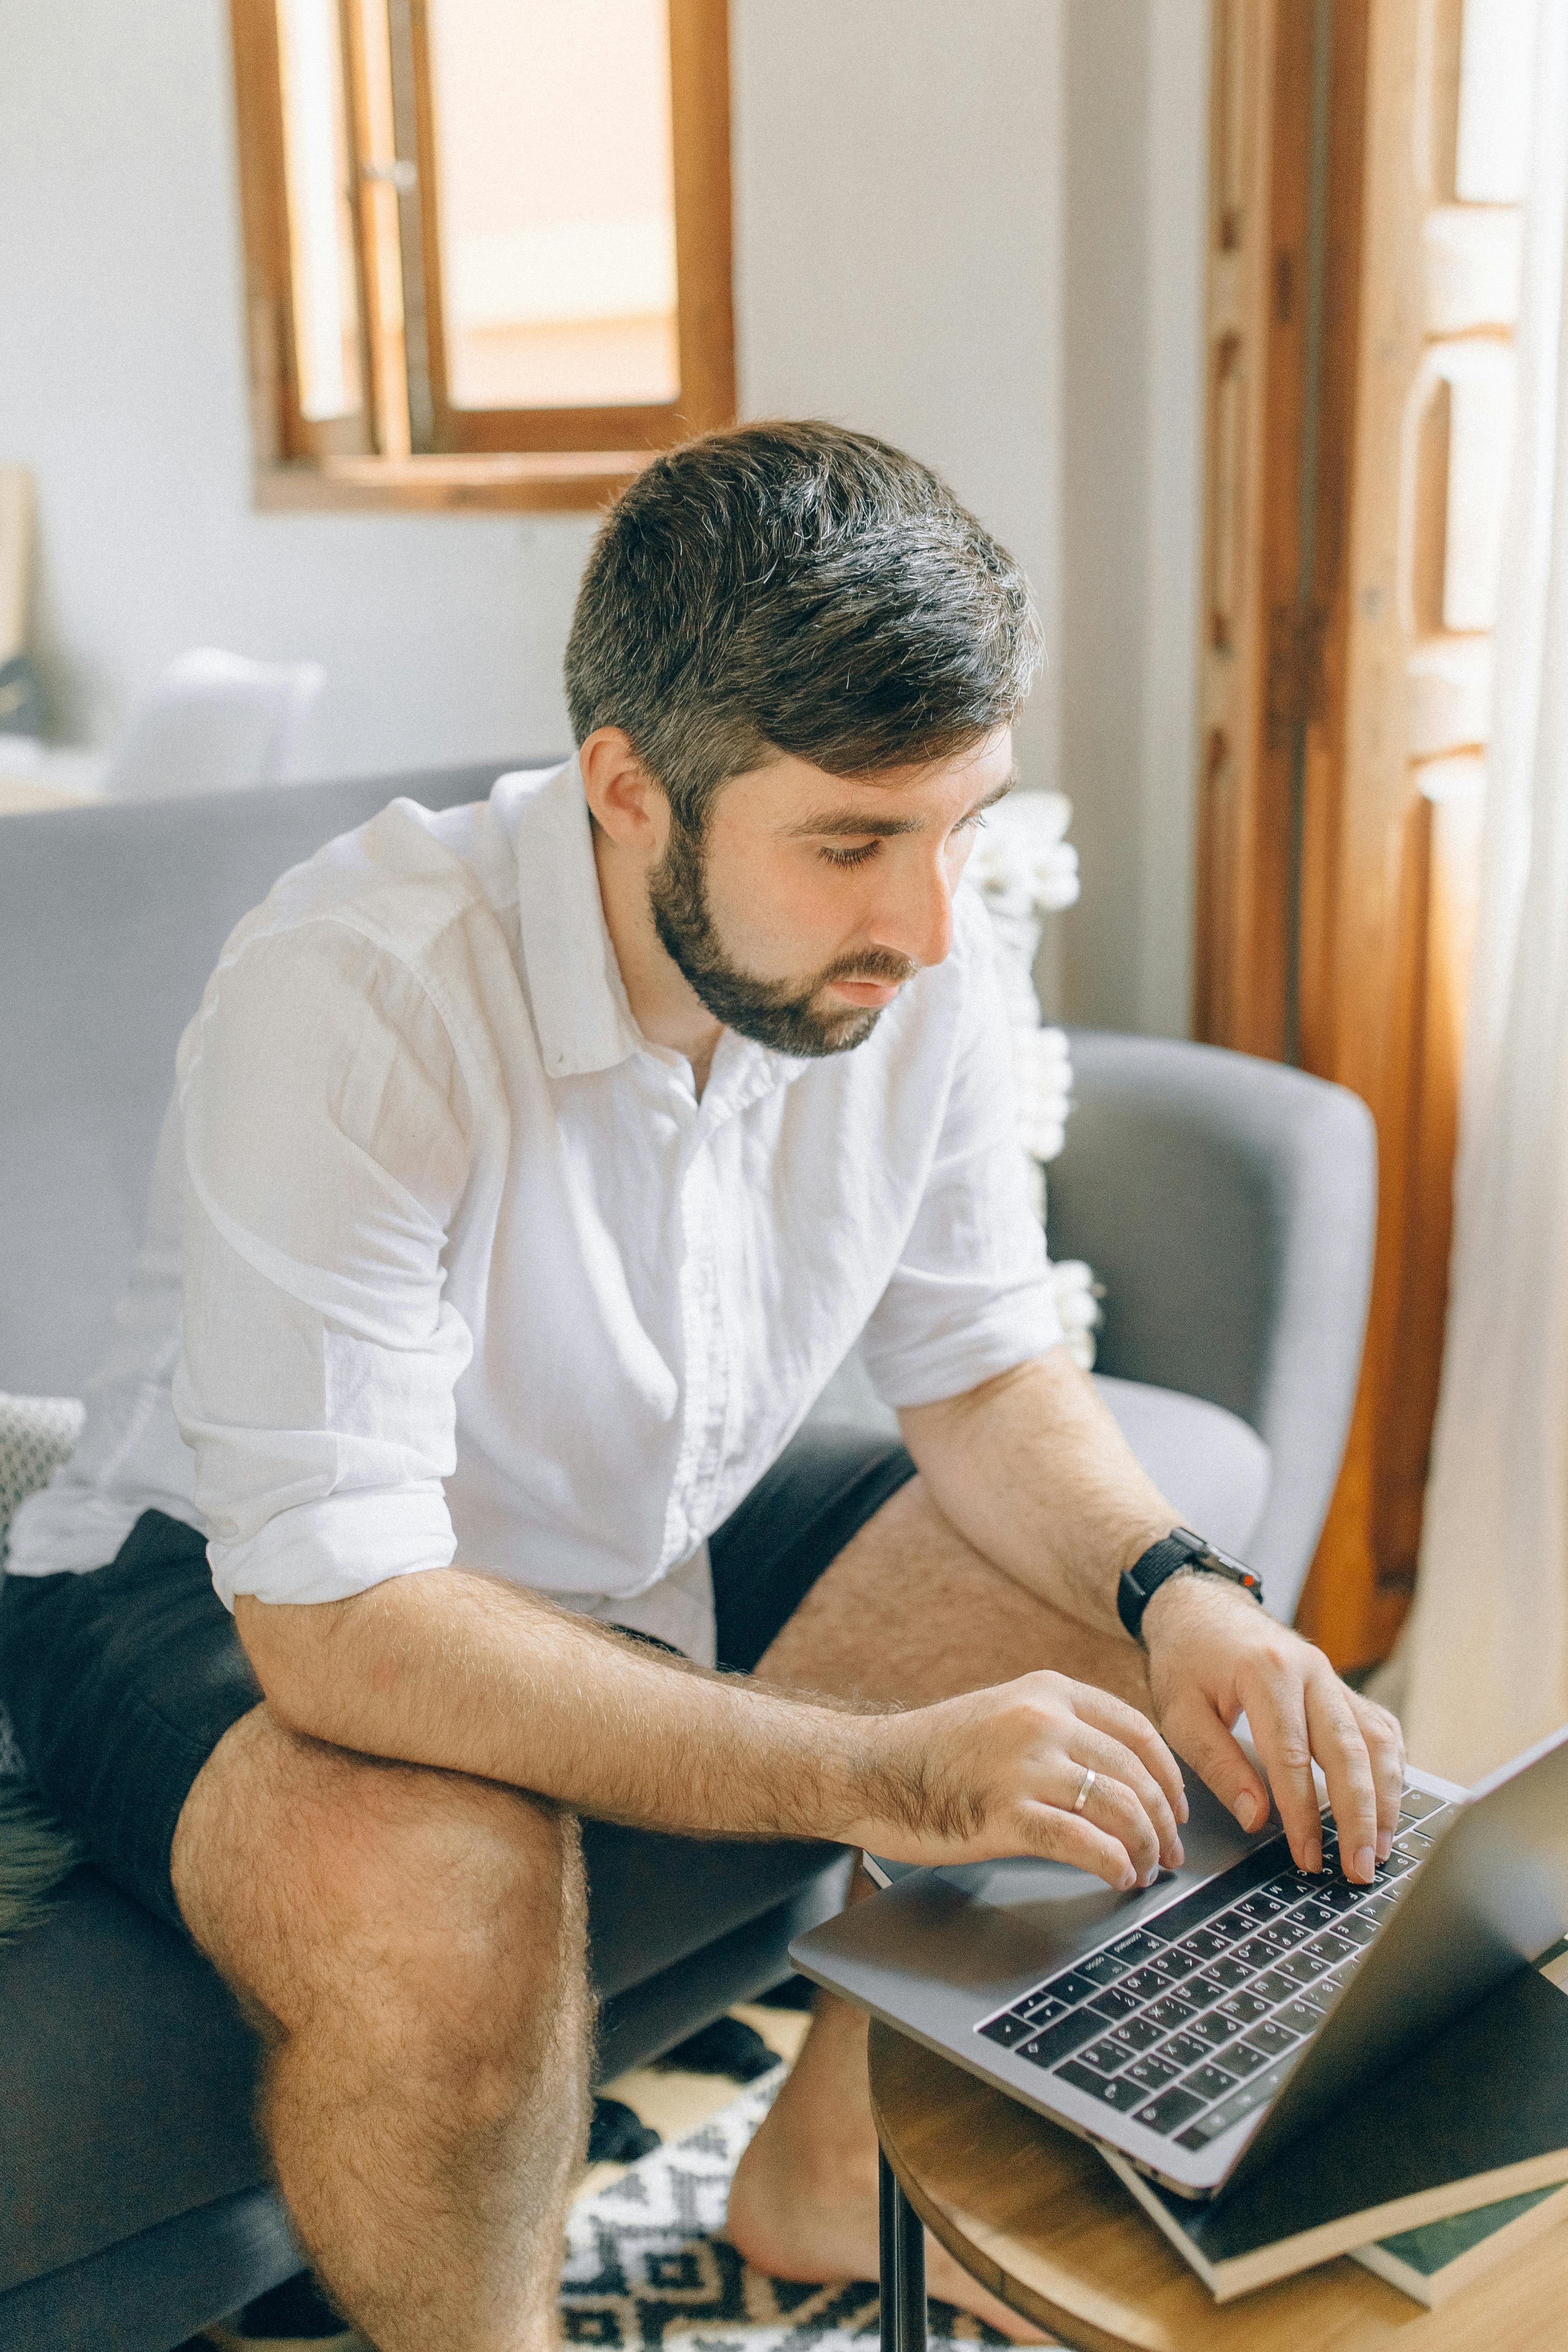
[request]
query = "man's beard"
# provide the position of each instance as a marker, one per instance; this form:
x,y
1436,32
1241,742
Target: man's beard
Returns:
x,y
776,1014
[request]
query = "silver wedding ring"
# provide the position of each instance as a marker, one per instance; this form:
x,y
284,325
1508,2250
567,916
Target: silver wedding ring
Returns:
x,y
1081,1799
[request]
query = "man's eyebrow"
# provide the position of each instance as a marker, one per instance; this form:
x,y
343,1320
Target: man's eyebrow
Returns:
x,y
842,823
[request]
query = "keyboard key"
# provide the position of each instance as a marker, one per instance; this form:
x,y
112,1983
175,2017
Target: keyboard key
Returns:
x,y
1070,1988
1199,2135
1257,1954
1299,2016
1261,1904
1284,1932
1105,2057
1250,2096
1225,1975
1133,1951
1274,1987
1007,2031
1396,1866
1242,2059
1041,2008
1272,2039
1291,1884
1184,2050
1247,2008
1138,2033
1174,1964
1208,2082
1313,1914
1376,1908
1419,1804
1101,1969
1145,1984
1333,1949
1170,2012
1153,2073
1169,2110
1213,2028
1202,1944
1110,2091
1233,1926
1061,2040
1340,1896
1115,2003
1302,1969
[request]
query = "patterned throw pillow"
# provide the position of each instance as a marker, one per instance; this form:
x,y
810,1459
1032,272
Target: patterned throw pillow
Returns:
x,y
36,1434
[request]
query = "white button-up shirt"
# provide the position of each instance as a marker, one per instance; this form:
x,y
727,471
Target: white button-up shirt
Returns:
x,y
445,1261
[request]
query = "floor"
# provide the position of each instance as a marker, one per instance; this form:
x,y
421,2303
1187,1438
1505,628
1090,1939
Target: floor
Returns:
x,y
673,2103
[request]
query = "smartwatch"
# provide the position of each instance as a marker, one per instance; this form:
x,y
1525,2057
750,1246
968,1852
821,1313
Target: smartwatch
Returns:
x,y
1178,1550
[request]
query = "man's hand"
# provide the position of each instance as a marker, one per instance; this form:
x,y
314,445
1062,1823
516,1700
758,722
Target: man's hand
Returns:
x,y
1213,1655
998,1771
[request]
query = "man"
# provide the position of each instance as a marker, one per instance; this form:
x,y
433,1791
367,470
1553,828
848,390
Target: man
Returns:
x,y
531,1168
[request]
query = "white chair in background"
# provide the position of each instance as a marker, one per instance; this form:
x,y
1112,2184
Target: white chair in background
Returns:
x,y
214,722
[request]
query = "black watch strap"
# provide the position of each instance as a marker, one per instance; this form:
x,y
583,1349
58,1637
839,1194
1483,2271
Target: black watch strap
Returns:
x,y
1181,1548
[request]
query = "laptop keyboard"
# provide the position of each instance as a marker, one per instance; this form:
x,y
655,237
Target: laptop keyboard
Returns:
x,y
1193,2020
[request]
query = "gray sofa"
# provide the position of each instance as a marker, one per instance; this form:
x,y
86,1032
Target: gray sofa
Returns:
x,y
1226,1204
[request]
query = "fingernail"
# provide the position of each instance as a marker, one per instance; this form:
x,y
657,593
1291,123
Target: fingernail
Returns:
x,y
1247,1810
1385,1845
1174,1855
1149,1876
1364,1864
1182,1807
1128,1878
1313,1854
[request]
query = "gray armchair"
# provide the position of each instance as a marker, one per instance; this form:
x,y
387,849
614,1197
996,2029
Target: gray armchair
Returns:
x,y
1227,1204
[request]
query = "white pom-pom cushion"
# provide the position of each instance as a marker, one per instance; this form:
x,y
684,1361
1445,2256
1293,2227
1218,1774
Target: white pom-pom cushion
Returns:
x,y
36,1434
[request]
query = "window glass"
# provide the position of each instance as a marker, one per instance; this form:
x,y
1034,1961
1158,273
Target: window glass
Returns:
x,y
320,210
556,203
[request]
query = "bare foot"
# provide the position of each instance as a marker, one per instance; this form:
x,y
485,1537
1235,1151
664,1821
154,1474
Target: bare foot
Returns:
x,y
791,2217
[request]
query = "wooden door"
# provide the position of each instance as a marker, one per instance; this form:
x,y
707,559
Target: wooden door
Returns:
x,y
1363,275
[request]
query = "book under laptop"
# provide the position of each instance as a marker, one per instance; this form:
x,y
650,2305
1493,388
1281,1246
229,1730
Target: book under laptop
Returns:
x,y
1198,2025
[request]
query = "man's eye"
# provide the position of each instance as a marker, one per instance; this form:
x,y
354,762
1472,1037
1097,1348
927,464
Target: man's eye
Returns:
x,y
851,856
971,823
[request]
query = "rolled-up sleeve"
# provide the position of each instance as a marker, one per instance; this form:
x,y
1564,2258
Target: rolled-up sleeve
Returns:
x,y
327,1142
971,1296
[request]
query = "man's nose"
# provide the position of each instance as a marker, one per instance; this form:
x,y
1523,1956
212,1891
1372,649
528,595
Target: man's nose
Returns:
x,y
915,918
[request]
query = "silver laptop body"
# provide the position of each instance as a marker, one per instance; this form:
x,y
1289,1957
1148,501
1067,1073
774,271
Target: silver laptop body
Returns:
x,y
1083,2003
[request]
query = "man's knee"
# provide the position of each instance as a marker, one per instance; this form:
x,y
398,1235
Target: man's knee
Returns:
x,y
445,1916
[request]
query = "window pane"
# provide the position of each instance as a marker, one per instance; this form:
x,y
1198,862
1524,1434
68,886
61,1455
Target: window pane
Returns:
x,y
556,201
320,211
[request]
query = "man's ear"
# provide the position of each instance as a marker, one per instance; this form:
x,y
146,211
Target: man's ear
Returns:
x,y
626,801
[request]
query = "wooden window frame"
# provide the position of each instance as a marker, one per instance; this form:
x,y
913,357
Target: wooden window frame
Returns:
x,y
407,447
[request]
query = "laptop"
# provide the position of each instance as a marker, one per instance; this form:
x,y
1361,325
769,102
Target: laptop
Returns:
x,y
1198,2024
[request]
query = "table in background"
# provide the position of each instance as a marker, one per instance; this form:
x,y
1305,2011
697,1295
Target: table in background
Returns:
x,y
1036,2216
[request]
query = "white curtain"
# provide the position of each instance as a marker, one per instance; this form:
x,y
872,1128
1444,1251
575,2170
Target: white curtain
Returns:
x,y
1483,1664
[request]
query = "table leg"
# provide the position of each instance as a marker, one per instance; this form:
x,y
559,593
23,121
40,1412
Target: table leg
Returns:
x,y
903,2267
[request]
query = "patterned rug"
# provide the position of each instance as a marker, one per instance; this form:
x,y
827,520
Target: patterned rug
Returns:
x,y
646,2267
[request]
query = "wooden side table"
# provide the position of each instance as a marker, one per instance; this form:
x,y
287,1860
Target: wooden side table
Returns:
x,y
1038,2219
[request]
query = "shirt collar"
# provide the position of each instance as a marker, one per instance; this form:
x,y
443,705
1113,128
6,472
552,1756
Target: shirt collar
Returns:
x,y
580,1007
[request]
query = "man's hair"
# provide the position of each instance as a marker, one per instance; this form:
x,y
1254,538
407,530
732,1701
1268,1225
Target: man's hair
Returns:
x,y
794,588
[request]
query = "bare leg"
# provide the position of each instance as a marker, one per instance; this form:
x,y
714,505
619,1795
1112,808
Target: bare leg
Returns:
x,y
803,2203
412,1943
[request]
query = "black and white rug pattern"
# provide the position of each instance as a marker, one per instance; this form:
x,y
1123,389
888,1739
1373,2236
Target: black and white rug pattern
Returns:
x,y
646,2267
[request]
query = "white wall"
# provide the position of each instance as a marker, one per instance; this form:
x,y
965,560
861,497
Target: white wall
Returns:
x,y
932,242
1135,110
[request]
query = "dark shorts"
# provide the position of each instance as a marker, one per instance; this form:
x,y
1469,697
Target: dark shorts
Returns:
x,y
121,1682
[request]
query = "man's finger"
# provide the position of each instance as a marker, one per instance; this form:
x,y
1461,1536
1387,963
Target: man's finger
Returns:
x,y
1124,1785
1341,1748
1385,1746
1058,1835
1198,1734
1124,1723
1277,1711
